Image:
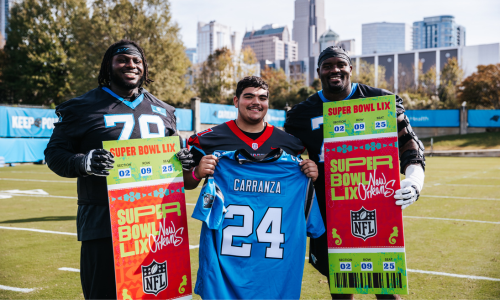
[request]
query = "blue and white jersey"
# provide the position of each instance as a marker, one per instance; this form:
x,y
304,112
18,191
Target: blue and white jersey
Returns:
x,y
256,217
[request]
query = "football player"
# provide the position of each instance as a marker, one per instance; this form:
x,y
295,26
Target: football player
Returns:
x,y
119,109
304,121
249,131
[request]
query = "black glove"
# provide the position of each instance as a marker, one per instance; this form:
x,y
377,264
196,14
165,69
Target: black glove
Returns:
x,y
97,162
186,159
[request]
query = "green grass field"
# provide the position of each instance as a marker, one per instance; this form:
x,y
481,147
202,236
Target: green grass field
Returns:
x,y
434,243
472,141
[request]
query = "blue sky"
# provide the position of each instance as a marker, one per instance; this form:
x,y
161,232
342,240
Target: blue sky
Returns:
x,y
480,17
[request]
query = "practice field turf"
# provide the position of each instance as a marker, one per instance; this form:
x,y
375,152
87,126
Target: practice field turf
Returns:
x,y
452,235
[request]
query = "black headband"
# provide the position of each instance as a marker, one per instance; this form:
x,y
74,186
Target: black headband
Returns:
x,y
333,51
127,49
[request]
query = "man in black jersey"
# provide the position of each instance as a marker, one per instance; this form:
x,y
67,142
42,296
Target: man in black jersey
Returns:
x,y
119,109
305,121
248,131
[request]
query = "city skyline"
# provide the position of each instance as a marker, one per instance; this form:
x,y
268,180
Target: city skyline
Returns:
x,y
475,18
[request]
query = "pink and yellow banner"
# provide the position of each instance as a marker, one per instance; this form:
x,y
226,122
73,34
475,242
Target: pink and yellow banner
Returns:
x,y
148,219
364,225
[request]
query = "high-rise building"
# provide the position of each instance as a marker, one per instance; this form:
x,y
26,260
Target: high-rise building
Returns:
x,y
212,36
435,32
331,38
192,55
272,42
385,37
4,16
309,24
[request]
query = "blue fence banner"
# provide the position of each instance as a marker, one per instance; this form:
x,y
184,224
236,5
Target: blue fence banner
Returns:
x,y
219,113
276,117
434,118
26,122
184,119
22,149
483,118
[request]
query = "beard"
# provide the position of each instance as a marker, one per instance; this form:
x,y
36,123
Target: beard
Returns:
x,y
335,89
123,84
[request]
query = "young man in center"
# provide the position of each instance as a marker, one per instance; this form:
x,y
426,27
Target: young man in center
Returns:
x,y
249,249
248,131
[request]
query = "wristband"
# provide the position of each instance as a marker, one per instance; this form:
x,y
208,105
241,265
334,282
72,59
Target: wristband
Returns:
x,y
194,176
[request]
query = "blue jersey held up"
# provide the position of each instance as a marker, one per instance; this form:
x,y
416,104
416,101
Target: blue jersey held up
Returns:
x,y
256,217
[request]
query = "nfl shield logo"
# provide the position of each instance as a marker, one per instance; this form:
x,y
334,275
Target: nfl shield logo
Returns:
x,y
364,223
154,277
255,146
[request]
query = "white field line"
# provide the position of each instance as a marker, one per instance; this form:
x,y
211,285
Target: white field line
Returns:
x,y
454,275
52,196
45,196
477,185
38,230
470,175
457,197
38,180
445,219
31,172
63,233
408,270
14,289
450,274
69,269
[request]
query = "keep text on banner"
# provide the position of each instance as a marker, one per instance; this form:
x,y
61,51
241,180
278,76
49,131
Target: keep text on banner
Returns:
x,y
26,122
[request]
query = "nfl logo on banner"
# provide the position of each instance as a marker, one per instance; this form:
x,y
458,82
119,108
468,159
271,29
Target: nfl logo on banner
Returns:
x,y
154,277
363,223
255,146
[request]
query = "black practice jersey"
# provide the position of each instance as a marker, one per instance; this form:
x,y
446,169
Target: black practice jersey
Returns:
x,y
84,123
305,121
229,137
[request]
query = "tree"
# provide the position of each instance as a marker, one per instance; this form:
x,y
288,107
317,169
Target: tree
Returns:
x,y
248,56
426,81
283,91
39,50
316,84
147,22
406,81
366,75
482,88
451,76
215,80
217,77
55,48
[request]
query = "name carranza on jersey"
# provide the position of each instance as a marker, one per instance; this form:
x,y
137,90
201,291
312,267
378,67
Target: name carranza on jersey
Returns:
x,y
256,186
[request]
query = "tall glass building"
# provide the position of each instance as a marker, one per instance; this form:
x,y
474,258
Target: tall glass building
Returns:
x,y
385,37
192,55
308,25
436,32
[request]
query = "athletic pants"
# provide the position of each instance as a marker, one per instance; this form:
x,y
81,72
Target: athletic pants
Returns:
x,y
97,269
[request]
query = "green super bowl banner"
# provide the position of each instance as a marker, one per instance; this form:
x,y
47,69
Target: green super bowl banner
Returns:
x,y
366,250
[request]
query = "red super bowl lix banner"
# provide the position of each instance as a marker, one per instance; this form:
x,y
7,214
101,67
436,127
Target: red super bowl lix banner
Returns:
x,y
148,220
